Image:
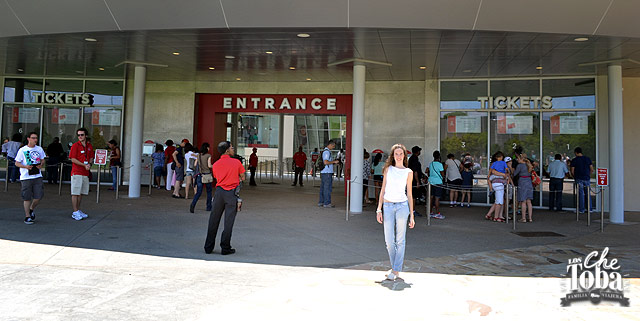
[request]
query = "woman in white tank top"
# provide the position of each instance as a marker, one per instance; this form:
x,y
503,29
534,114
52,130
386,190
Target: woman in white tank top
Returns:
x,y
395,196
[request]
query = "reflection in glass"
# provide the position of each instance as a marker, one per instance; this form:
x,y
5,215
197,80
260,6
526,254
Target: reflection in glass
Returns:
x,y
464,132
462,94
21,90
571,93
105,92
20,119
63,86
60,122
104,124
258,130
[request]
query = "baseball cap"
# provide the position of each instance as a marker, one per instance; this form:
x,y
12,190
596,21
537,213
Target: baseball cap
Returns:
x,y
415,149
185,140
507,159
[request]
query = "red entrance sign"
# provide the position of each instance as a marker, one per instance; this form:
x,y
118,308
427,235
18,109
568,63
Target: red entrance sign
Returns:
x,y
101,157
603,177
282,104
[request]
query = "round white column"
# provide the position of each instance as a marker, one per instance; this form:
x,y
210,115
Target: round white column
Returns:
x,y
616,148
357,137
137,123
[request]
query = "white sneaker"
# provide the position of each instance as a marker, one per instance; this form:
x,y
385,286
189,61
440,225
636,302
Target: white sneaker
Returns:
x,y
76,216
391,276
83,214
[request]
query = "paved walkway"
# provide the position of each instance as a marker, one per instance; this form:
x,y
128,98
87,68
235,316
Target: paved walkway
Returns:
x,y
143,259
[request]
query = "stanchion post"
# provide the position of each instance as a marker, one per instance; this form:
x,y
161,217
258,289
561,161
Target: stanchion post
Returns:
x,y
515,205
577,202
348,198
506,204
150,178
589,205
601,209
428,204
118,173
60,179
6,181
98,188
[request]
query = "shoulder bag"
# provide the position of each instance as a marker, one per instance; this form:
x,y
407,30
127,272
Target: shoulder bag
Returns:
x,y
206,177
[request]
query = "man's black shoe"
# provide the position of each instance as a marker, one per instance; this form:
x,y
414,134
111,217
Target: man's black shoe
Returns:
x,y
191,208
227,252
208,251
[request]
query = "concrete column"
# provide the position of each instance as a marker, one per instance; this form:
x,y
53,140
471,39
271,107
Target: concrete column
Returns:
x,y
357,137
616,148
137,124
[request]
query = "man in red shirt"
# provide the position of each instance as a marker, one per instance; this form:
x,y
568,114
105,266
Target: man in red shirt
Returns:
x,y
299,161
253,164
228,172
81,155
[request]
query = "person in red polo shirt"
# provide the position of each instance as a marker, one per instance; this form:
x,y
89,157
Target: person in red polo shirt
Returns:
x,y
299,160
81,155
228,172
253,164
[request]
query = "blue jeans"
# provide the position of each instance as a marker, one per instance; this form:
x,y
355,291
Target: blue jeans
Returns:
x,y
13,170
114,176
326,186
199,192
395,229
583,184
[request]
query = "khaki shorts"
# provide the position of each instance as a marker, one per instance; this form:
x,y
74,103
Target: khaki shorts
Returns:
x,y
79,185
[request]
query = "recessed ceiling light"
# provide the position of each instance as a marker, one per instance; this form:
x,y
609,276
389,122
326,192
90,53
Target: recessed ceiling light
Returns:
x,y
539,67
20,69
238,79
212,68
90,39
423,67
176,53
268,52
467,70
304,35
101,68
292,68
581,39
308,79
230,57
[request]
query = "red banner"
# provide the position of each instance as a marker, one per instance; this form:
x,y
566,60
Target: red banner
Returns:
x,y
502,124
555,125
451,124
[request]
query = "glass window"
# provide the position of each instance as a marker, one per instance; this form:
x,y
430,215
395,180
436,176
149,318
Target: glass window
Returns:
x,y
464,132
515,88
104,124
21,90
512,129
462,94
571,93
258,130
21,120
60,122
63,86
105,92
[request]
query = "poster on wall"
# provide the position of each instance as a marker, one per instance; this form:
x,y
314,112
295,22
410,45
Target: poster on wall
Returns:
x,y
575,125
464,124
510,124
26,115
65,116
105,117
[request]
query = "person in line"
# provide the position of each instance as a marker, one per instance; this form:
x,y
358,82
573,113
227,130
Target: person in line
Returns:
x,y
452,167
314,160
467,182
168,159
204,177
581,170
228,172
326,175
178,168
397,200
114,162
498,177
10,149
29,159
190,157
253,165
158,164
340,159
55,152
366,176
436,179
557,173
378,166
81,156
299,162
525,187
418,175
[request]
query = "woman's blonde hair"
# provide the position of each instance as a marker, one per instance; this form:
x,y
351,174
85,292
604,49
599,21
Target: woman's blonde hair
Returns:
x,y
391,161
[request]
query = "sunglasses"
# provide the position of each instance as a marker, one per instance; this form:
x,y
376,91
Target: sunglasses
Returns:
x,y
80,135
33,137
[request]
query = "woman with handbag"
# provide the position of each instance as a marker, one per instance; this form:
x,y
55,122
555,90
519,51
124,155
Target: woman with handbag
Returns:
x,y
204,177
525,187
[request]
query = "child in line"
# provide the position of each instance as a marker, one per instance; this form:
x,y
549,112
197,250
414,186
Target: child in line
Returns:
x,y
498,178
467,183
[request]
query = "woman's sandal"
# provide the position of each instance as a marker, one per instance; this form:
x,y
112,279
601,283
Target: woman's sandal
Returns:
x,y
522,220
499,219
488,217
530,220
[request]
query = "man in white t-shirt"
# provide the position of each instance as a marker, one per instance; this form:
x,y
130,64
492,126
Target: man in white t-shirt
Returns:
x,y
30,158
454,179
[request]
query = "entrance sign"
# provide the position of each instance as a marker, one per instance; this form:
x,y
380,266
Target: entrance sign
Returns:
x,y
510,124
576,125
282,104
464,124
515,102
101,157
64,116
603,177
62,98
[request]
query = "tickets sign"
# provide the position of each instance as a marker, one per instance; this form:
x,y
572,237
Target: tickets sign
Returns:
x,y
101,157
603,177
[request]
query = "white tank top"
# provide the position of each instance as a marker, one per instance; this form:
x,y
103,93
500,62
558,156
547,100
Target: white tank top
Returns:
x,y
396,188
